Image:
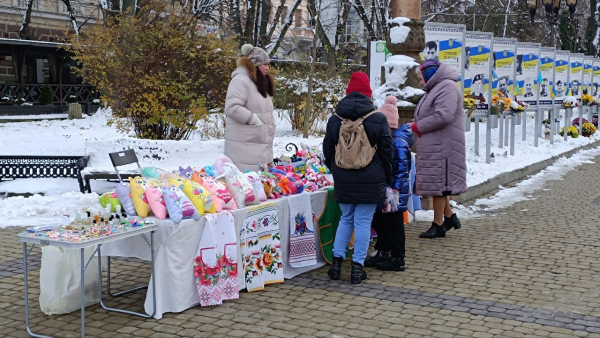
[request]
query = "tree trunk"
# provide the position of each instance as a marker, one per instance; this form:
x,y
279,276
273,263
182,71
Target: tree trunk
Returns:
x,y
360,9
236,17
250,15
340,32
320,32
275,20
287,21
72,17
26,20
311,76
263,38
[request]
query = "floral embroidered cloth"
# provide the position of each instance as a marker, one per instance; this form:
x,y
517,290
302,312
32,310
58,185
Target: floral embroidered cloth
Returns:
x,y
215,265
261,247
302,236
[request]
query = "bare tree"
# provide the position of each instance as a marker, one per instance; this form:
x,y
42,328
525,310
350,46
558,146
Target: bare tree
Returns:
x,y
26,19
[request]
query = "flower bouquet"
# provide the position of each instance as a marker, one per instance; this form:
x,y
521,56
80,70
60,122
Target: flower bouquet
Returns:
x,y
500,104
588,129
570,102
518,106
469,104
572,131
575,121
588,100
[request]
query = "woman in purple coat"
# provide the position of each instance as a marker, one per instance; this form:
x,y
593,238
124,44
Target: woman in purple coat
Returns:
x,y
441,163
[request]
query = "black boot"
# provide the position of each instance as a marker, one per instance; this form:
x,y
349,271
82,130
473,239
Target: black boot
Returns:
x,y
380,257
336,268
392,264
434,231
357,274
451,222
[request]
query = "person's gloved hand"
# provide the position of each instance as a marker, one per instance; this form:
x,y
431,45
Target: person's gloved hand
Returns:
x,y
255,120
413,126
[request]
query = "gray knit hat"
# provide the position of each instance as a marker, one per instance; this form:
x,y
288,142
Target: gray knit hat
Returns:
x,y
257,55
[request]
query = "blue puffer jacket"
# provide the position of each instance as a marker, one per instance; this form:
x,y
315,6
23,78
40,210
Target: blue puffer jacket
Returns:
x,y
401,164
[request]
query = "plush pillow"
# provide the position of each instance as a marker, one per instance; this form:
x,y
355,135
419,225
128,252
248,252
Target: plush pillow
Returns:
x,y
109,198
221,196
186,173
178,205
152,172
242,190
124,194
156,200
221,160
199,197
177,181
138,195
254,179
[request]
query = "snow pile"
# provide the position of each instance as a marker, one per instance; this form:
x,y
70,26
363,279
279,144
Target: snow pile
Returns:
x,y
39,210
396,71
398,34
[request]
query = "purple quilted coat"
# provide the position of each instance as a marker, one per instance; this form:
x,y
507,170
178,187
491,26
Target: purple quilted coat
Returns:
x,y
441,162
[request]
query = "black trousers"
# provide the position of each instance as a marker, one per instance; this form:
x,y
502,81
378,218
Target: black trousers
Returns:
x,y
390,233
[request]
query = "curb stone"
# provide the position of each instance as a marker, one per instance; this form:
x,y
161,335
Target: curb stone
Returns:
x,y
515,175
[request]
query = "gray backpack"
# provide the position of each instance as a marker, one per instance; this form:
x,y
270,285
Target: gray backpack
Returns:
x,y
353,150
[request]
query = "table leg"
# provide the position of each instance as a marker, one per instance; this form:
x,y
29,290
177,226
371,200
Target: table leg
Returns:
x,y
25,258
82,286
109,291
151,244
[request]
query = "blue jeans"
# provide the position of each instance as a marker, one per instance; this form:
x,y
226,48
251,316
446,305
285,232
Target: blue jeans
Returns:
x,y
355,217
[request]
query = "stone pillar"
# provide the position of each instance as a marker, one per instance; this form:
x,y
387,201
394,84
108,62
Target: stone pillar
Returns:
x,y
412,46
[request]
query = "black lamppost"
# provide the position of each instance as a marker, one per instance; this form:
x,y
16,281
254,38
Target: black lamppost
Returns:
x,y
532,5
551,6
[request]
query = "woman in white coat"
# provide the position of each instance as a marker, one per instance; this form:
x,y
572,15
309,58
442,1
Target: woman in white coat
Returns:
x,y
250,127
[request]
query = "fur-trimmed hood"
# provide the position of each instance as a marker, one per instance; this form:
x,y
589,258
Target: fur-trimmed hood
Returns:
x,y
245,66
245,62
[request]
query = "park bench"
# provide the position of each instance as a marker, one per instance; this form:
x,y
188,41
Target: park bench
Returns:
x,y
36,112
16,167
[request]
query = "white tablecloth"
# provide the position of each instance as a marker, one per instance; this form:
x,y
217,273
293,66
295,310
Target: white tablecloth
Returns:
x,y
175,248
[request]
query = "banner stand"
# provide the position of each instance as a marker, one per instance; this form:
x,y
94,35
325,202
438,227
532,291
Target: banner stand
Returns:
x,y
501,131
507,120
476,134
538,126
512,135
488,140
552,124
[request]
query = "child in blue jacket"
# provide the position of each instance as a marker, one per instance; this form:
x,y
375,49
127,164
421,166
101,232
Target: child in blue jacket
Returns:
x,y
389,226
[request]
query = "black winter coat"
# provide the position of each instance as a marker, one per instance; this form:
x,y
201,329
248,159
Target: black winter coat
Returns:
x,y
366,185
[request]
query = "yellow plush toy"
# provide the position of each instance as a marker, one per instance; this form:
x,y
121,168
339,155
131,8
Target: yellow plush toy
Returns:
x,y
138,196
198,195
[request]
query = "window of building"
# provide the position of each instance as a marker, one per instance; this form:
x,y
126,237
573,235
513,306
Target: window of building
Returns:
x,y
298,18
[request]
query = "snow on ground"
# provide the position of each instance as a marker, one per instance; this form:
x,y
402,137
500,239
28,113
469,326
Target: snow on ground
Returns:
x,y
523,190
91,134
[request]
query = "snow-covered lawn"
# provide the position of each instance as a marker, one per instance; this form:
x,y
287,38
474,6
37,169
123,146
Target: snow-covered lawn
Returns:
x,y
71,137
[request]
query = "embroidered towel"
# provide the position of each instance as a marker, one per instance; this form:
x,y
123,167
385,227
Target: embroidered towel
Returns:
x,y
261,247
302,236
215,265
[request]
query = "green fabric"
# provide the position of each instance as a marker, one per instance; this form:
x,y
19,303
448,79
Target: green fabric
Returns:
x,y
328,224
110,198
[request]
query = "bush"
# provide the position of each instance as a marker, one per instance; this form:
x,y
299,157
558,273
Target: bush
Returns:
x,y
575,121
156,72
47,97
572,131
292,94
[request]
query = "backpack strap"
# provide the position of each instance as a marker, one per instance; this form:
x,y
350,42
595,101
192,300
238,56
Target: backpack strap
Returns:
x,y
369,114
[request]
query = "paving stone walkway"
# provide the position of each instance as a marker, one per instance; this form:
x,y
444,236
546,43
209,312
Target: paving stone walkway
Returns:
x,y
528,270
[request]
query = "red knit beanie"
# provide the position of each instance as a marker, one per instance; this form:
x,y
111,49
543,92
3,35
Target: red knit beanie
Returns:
x,y
359,82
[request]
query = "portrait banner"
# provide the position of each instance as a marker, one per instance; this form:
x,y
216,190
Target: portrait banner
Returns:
x,y
576,75
503,69
588,65
561,76
445,43
595,77
547,77
528,73
478,58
